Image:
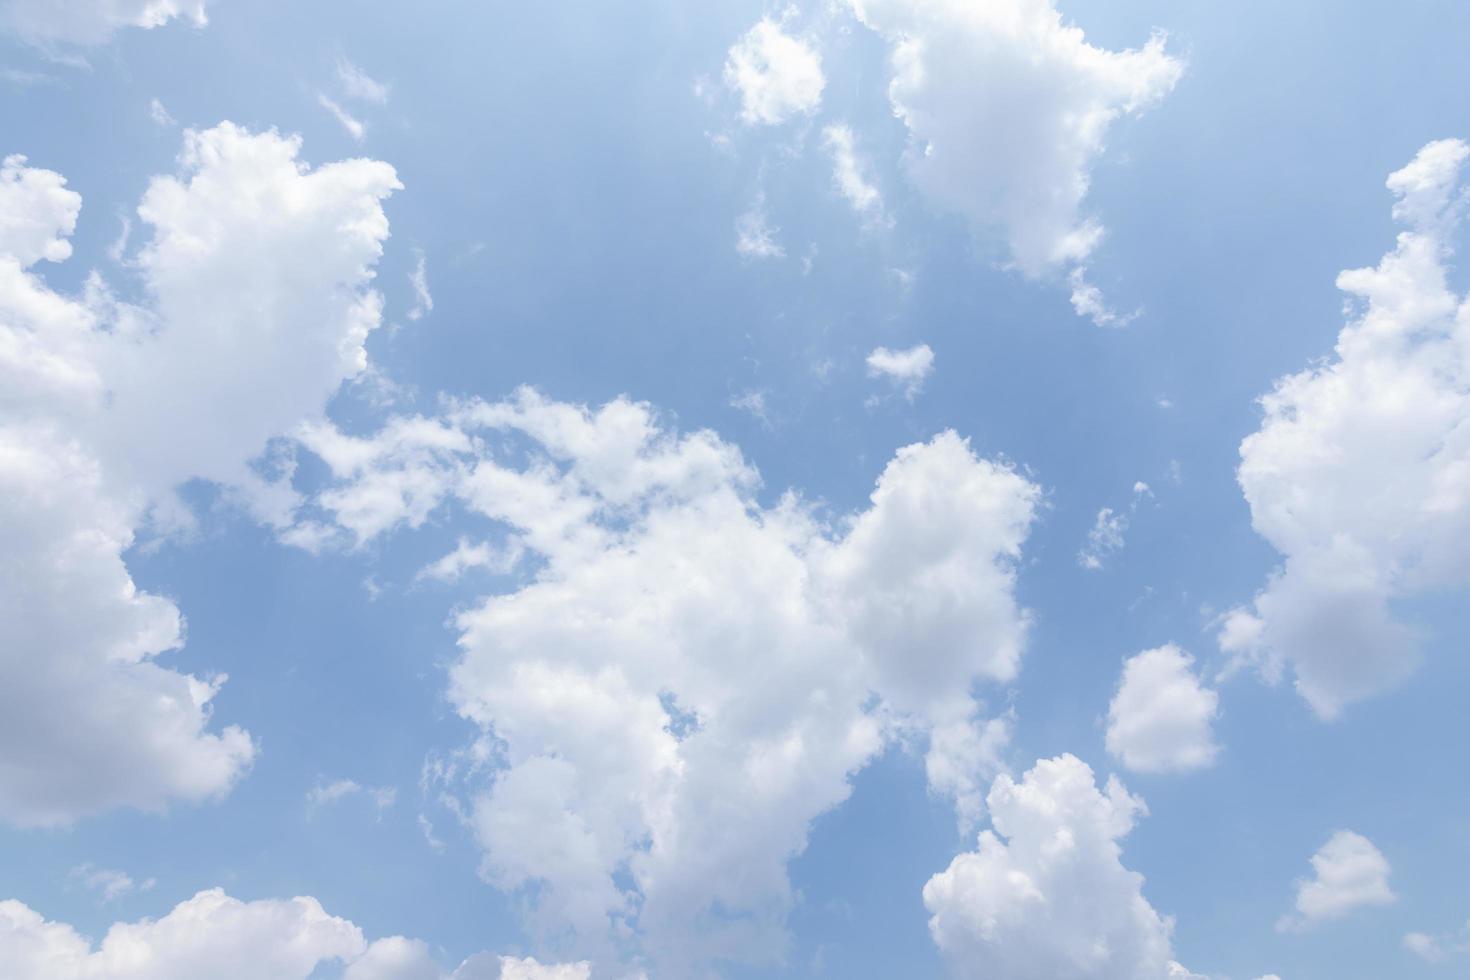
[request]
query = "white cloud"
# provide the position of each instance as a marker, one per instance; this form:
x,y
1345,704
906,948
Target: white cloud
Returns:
x,y
423,302
354,126
213,935
40,213
1349,874
1435,948
465,556
256,269
754,403
109,884
1109,529
1424,946
847,174
325,793
907,368
92,21
160,115
777,76
357,84
1358,472
1105,537
1088,301
1045,894
691,678
754,237
1160,718
1008,108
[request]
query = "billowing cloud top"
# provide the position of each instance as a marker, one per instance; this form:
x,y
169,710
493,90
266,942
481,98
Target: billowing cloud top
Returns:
x,y
1357,475
256,267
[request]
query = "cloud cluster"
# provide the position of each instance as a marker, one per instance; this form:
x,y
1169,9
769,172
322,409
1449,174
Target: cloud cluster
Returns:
x,y
1358,474
1161,716
1045,894
690,677
216,936
256,308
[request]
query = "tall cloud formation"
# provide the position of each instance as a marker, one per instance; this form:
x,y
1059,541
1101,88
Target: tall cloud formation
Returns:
x,y
1358,474
1045,894
216,936
1007,109
256,309
690,677
88,22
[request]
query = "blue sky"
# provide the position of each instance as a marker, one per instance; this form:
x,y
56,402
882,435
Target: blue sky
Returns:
x,y
628,508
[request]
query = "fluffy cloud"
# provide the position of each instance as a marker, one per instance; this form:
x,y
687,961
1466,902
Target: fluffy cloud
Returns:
x,y
1007,109
216,936
92,21
255,310
690,677
1358,474
777,76
907,368
1045,894
1159,719
1348,873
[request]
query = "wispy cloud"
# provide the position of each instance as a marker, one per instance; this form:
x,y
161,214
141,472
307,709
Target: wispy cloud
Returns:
x,y
357,84
326,793
355,128
423,301
109,885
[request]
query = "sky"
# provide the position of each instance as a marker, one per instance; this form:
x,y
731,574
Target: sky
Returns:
x,y
866,488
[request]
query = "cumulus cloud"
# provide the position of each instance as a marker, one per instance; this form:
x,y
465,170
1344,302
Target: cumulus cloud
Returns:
x,y
88,22
908,369
216,936
777,76
1357,474
254,310
1349,873
1161,716
1045,894
1008,108
691,677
